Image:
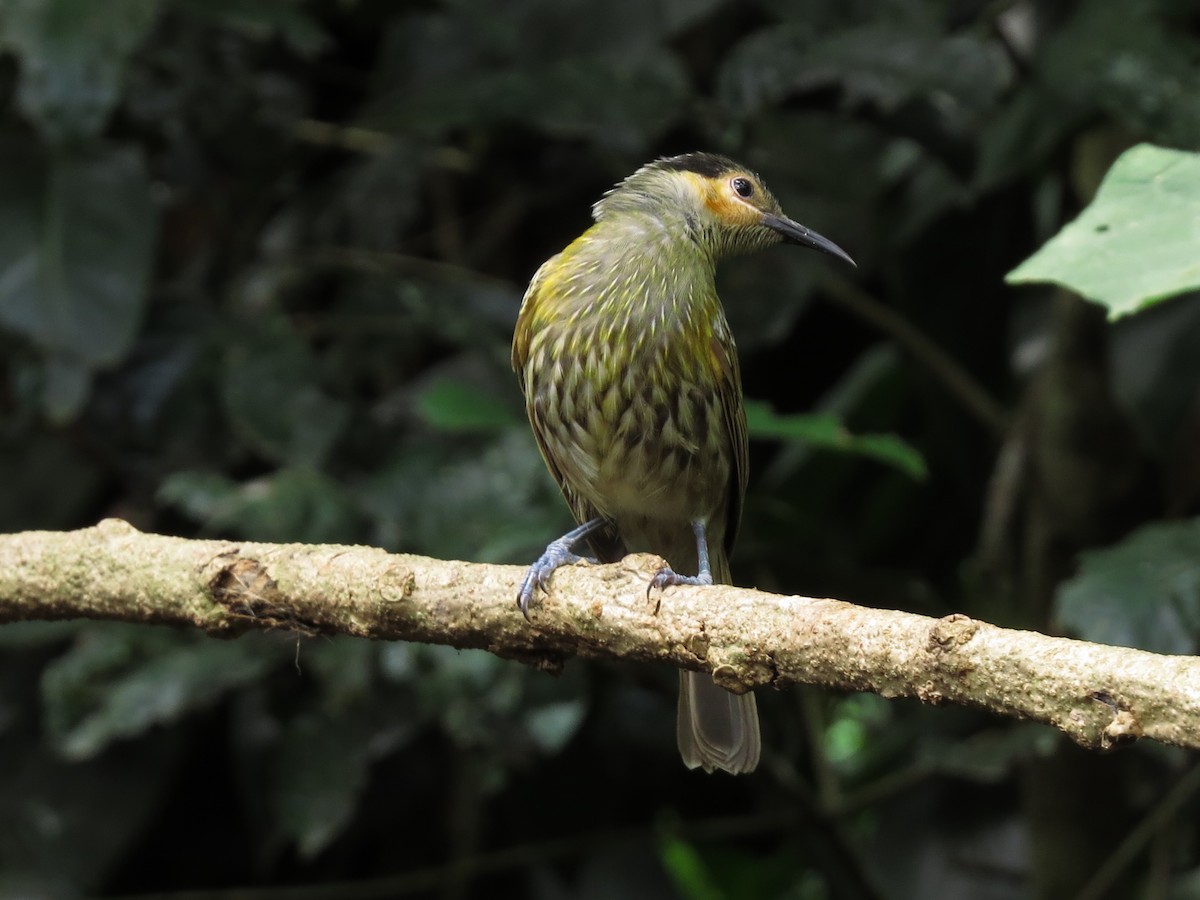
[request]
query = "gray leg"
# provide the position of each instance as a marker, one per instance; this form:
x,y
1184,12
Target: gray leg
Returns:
x,y
558,553
667,576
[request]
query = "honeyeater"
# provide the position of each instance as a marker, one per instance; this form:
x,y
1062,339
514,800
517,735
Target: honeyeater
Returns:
x,y
632,387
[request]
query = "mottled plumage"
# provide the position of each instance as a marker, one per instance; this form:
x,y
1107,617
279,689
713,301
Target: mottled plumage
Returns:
x,y
632,387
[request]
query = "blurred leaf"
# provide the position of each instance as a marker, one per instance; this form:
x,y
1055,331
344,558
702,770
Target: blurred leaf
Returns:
x,y
15,635
397,661
1136,242
1133,62
449,72
65,388
554,724
1186,886
379,198
878,63
825,430
64,826
49,483
117,683
1156,368
321,770
294,504
271,391
686,866
455,407
990,756
344,666
853,736
76,247
761,70
73,55
264,19
1021,135
1143,592
495,503
844,740
623,105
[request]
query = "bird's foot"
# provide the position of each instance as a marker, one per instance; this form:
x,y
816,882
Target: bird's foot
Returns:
x,y
667,577
558,553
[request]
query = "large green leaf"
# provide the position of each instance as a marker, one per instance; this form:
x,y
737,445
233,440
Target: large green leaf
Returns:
x,y
73,55
77,233
1137,243
1143,592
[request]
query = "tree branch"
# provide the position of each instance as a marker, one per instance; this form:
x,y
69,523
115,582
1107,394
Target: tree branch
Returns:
x,y
1098,695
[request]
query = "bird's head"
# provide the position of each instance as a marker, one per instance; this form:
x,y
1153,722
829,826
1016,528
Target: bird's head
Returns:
x,y
721,205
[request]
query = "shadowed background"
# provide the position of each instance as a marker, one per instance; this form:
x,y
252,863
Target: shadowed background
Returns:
x,y
259,267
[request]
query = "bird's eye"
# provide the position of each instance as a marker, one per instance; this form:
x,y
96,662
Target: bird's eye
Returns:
x,y
743,187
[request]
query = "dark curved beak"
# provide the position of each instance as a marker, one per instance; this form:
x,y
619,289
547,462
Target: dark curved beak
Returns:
x,y
795,233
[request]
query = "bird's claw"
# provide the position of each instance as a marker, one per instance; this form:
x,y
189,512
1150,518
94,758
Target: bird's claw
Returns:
x,y
558,553
667,577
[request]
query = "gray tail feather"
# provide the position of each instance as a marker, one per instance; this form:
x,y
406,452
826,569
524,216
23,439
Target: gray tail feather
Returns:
x,y
716,729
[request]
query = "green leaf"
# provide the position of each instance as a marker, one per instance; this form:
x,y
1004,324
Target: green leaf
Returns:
x,y
493,503
322,766
77,235
687,869
73,55
827,431
1142,592
118,682
456,407
1136,243
293,504
318,776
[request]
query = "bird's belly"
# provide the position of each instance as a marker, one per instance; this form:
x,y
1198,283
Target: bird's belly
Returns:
x,y
644,453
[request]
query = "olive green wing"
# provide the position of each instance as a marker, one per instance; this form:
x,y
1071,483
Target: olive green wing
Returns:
x,y
729,393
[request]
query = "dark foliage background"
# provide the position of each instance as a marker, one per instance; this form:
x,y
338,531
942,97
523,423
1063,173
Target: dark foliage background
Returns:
x,y
259,265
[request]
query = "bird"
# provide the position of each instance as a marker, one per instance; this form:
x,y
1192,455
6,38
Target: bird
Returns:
x,y
633,390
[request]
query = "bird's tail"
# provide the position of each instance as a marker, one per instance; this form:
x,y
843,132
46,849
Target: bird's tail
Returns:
x,y
716,729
